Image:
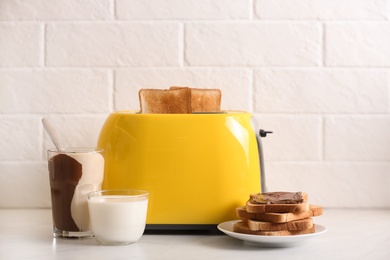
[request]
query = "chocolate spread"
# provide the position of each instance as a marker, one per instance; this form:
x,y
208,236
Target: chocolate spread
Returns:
x,y
65,173
278,198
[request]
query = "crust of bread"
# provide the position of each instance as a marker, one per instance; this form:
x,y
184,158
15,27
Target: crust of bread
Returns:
x,y
276,208
295,225
159,101
204,100
314,210
242,227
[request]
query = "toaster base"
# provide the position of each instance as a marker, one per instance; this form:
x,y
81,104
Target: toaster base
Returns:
x,y
182,229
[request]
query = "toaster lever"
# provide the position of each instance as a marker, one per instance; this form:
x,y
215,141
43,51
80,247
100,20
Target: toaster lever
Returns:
x,y
262,133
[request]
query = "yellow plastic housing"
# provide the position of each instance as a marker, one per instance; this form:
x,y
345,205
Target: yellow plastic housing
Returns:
x,y
197,167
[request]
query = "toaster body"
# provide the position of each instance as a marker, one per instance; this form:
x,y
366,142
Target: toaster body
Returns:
x,y
197,167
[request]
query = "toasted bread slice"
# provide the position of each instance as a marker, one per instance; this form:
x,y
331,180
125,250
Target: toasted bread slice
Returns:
x,y
278,202
242,227
314,210
295,225
159,101
204,100
277,208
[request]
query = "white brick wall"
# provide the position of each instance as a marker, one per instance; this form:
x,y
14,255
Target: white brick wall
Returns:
x,y
253,44
315,72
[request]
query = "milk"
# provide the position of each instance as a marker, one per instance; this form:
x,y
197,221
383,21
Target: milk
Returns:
x,y
91,180
118,219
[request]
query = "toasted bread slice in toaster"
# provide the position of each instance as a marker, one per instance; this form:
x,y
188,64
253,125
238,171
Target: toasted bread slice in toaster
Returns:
x,y
161,101
204,100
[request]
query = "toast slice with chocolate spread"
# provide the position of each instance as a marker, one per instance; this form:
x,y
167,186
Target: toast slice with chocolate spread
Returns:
x,y
278,202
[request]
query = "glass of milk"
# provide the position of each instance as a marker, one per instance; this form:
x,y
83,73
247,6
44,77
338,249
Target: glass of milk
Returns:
x,y
118,217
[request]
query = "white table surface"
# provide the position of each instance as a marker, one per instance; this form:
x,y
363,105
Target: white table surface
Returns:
x,y
351,234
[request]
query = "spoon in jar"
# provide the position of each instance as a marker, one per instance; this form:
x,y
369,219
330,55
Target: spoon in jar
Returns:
x,y
52,133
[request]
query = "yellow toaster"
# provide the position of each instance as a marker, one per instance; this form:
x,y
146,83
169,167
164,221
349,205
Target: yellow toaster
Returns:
x,y
197,167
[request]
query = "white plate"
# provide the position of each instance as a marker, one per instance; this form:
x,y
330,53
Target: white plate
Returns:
x,y
269,241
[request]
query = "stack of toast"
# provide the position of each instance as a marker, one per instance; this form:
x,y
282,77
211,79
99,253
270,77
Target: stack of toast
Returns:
x,y
277,214
179,100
